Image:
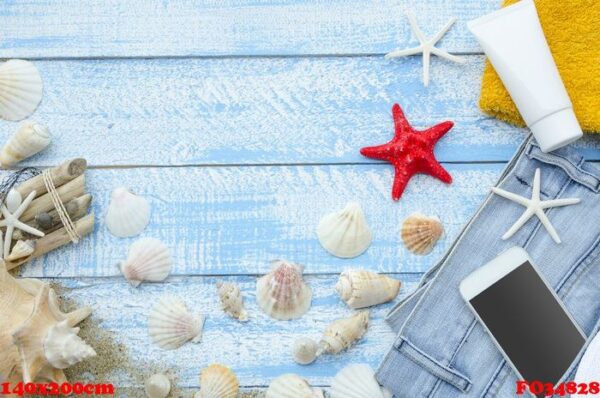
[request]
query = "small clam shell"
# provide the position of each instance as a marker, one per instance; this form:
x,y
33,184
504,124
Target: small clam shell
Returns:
x,y
170,325
362,288
305,351
128,214
157,386
218,381
343,333
292,386
420,233
148,260
357,381
20,89
345,233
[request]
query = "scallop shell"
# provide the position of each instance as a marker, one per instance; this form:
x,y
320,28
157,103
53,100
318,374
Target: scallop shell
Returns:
x,y
357,381
305,351
29,139
218,381
420,233
345,233
343,333
20,89
171,325
232,301
292,386
148,260
282,293
157,386
64,348
128,214
361,288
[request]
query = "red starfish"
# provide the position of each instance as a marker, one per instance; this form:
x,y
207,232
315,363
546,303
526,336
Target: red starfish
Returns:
x,y
410,151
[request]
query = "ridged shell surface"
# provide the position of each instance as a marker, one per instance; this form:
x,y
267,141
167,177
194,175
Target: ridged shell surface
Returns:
x,y
232,301
64,348
148,260
362,288
128,214
157,386
282,293
345,233
356,381
420,233
20,89
218,381
292,386
170,324
343,333
29,139
305,351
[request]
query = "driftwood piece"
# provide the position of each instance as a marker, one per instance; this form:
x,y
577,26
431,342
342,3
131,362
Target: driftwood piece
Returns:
x,y
84,226
66,192
61,175
76,208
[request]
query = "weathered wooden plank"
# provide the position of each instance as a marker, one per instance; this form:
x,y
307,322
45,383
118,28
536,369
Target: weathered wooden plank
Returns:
x,y
100,28
232,220
258,350
257,111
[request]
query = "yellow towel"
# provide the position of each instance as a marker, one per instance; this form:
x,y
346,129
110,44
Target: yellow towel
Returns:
x,y
572,28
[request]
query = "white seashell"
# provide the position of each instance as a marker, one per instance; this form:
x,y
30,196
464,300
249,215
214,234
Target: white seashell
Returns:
x,y
20,89
305,351
356,381
128,214
63,348
345,233
361,288
232,301
21,251
282,293
29,139
148,260
420,233
292,386
13,200
218,381
171,325
157,386
343,333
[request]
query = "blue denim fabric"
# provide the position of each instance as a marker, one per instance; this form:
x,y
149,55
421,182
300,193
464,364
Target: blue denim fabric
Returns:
x,y
440,349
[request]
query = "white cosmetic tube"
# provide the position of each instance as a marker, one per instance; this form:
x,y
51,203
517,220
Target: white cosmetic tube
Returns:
x,y
514,42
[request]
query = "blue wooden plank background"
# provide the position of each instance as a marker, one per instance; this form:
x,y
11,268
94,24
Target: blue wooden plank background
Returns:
x,y
241,122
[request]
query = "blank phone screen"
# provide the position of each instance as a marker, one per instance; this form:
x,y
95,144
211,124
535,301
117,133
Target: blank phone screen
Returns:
x,y
530,325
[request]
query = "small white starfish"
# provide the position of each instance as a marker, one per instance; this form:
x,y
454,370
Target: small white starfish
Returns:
x,y
13,209
534,206
427,47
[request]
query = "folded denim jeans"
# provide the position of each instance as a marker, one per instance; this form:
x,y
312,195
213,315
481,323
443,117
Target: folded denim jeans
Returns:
x,y
441,350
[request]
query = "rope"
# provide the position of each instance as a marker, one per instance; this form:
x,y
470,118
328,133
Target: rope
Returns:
x,y
60,207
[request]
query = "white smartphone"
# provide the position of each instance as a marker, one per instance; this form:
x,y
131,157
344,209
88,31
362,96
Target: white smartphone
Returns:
x,y
524,316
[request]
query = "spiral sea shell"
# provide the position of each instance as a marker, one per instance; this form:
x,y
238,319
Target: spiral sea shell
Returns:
x,y
343,333
362,288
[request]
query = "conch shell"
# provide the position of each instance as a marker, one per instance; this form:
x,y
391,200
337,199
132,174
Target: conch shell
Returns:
x,y
282,293
361,288
29,139
420,233
232,301
343,333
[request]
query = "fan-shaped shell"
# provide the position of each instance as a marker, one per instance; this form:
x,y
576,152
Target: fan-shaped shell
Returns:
x,y
305,350
29,139
282,293
218,381
232,301
356,381
157,386
292,386
345,233
148,260
20,89
171,325
420,233
128,214
343,333
361,288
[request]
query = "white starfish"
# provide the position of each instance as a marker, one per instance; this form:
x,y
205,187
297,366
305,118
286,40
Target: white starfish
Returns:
x,y
13,209
427,47
534,206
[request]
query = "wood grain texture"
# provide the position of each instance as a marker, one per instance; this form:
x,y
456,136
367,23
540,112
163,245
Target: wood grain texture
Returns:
x,y
259,111
142,28
232,220
257,351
